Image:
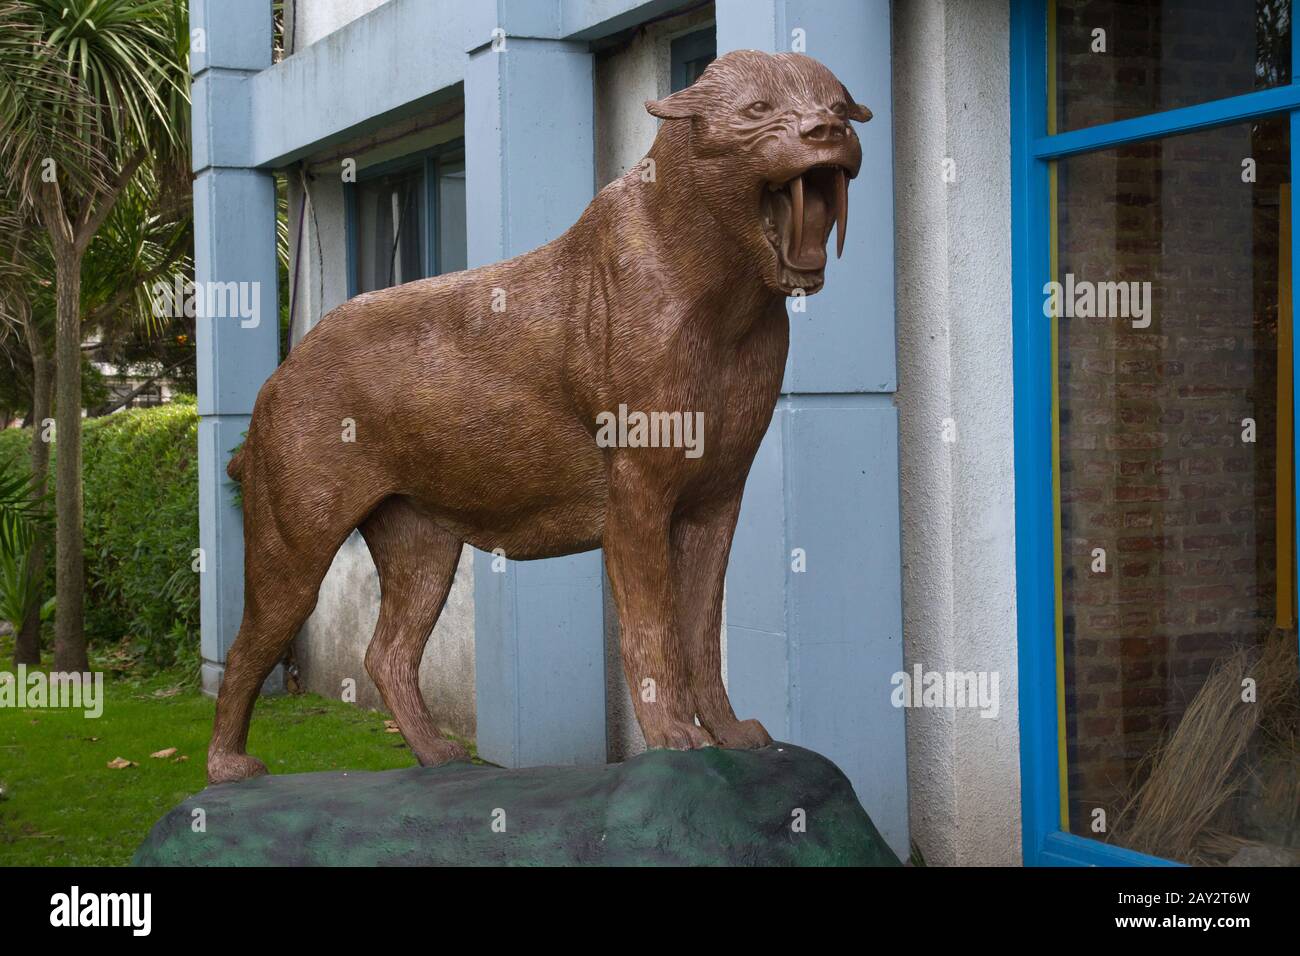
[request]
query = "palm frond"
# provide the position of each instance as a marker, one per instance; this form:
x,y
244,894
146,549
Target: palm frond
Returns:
x,y
44,119
143,242
22,514
88,83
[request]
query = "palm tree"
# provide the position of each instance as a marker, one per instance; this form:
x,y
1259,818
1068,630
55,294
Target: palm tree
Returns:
x,y
74,147
145,239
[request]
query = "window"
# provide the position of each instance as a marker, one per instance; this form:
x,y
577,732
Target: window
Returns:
x,y
406,220
1155,431
390,234
691,54
1115,59
451,217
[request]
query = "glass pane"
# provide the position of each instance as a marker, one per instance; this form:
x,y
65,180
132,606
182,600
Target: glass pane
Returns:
x,y
690,54
691,69
1115,59
452,256
1176,474
390,237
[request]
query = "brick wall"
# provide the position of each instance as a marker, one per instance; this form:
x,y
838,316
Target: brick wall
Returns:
x,y
1163,54
1153,465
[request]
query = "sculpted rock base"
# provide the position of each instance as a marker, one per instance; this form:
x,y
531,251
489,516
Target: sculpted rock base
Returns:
x,y
778,806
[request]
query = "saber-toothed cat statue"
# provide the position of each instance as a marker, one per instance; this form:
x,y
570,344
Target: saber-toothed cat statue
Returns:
x,y
479,400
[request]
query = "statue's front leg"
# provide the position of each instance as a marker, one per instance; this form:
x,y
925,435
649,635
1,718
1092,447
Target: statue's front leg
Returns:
x,y
636,546
701,544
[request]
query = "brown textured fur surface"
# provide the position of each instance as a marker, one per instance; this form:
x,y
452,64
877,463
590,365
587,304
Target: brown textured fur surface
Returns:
x,y
476,396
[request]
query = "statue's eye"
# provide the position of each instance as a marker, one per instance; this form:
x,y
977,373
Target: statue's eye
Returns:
x,y
839,109
758,108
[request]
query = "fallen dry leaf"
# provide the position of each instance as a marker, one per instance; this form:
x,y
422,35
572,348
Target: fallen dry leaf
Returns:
x,y
390,727
163,754
167,692
181,759
121,763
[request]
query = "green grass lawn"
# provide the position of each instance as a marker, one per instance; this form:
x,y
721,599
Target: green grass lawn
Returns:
x,y
63,805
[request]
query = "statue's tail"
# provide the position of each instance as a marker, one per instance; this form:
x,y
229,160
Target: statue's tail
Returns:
x,y
235,469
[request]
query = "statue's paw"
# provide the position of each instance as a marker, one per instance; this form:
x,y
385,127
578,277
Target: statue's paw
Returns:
x,y
226,767
436,752
678,735
742,735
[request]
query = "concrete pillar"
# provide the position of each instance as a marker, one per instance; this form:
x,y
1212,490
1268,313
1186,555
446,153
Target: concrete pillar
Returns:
x,y
538,632
811,652
234,241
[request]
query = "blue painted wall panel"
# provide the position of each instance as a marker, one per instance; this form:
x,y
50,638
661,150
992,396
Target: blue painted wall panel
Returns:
x,y
843,502
221,585
758,675
751,25
846,621
540,20
529,128
845,340
815,651
759,556
496,662
221,103
234,241
561,661
539,634
247,47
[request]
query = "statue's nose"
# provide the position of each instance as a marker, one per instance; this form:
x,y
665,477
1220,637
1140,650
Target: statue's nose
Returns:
x,y
821,125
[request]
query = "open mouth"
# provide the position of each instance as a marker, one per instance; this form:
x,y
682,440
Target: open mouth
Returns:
x,y
797,217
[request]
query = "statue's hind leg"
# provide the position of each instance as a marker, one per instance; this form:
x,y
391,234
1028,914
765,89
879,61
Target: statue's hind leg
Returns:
x,y
417,562
264,634
286,556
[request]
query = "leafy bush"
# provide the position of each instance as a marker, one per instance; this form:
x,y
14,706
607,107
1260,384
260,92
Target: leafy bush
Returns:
x,y
15,450
142,526
23,520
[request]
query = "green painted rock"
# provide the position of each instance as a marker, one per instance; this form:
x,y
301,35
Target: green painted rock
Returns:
x,y
664,807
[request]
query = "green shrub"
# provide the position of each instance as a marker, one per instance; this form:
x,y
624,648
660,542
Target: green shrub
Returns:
x,y
140,475
21,524
142,527
15,448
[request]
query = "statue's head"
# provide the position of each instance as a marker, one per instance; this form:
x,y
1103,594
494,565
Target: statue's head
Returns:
x,y
769,150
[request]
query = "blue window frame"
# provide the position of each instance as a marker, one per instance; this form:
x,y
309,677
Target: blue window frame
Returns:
x,y
690,54
1046,842
431,186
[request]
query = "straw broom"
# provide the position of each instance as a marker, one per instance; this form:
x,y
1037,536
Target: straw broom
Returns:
x,y
1196,771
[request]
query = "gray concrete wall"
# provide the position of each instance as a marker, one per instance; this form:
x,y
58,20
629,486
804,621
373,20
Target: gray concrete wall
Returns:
x,y
306,21
953,248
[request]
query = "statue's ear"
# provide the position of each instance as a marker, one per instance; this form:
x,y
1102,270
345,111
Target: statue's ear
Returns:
x,y
857,112
681,105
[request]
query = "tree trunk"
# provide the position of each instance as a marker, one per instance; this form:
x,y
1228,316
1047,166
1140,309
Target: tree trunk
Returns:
x,y
69,561
27,646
